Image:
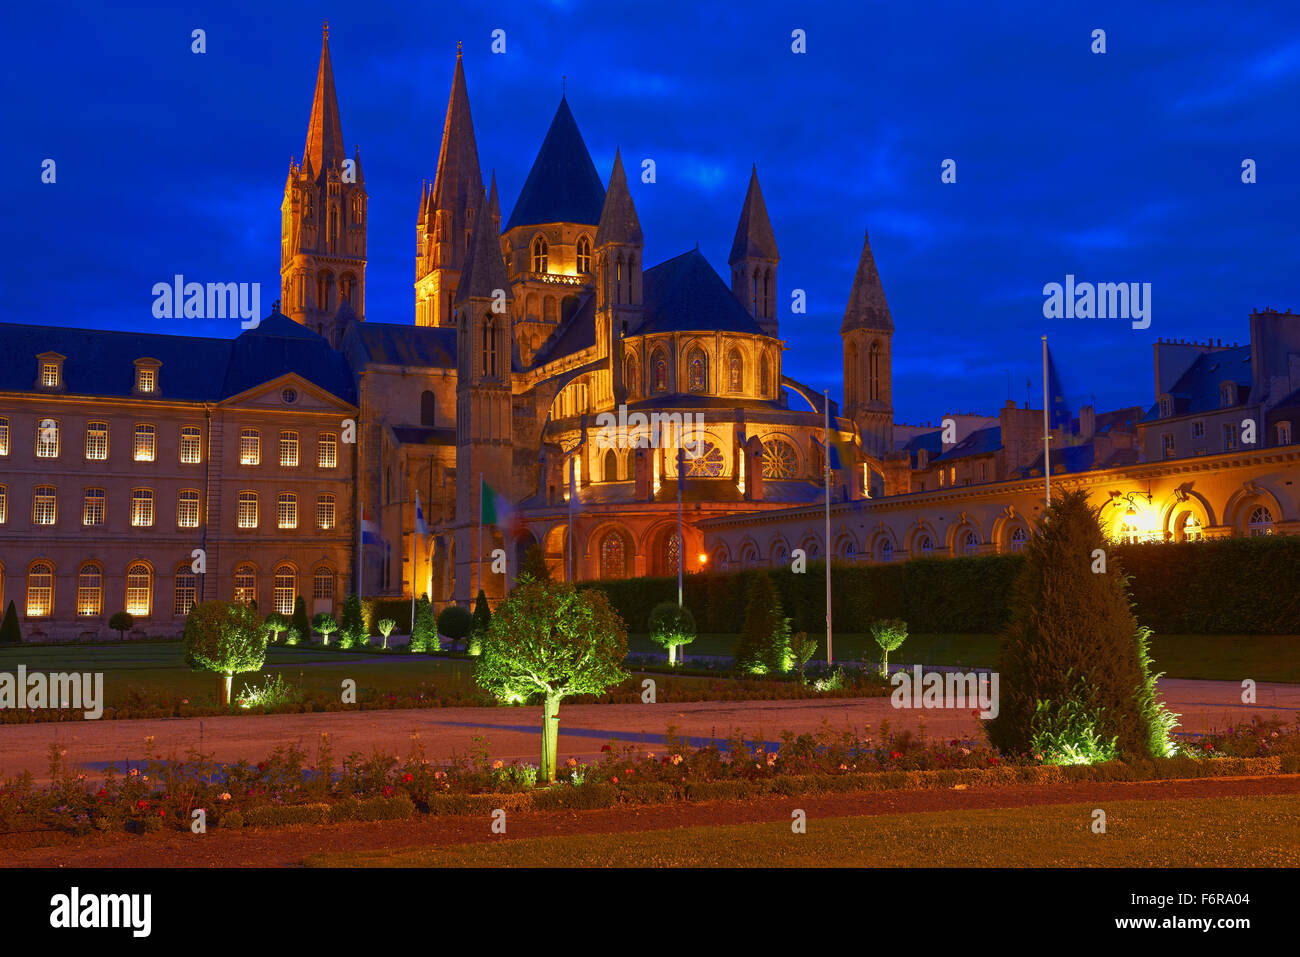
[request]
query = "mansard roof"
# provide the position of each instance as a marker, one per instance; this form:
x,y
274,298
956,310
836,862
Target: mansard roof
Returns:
x,y
101,362
1197,390
979,442
563,185
684,294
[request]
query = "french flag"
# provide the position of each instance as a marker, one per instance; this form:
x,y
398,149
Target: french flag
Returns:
x,y
369,530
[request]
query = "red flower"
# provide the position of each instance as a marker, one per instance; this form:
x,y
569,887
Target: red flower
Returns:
x,y
388,790
408,777
160,812
615,780
141,805
895,755
604,747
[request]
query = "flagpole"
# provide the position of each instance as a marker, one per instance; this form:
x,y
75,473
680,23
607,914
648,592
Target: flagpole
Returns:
x,y
361,514
415,534
826,404
569,538
681,544
1047,431
480,536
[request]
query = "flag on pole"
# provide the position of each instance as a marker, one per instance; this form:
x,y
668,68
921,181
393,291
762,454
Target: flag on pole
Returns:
x,y
369,530
493,508
420,526
1058,409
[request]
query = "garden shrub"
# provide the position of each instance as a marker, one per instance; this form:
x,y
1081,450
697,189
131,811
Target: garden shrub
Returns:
x,y
299,622
353,632
225,637
398,807
121,622
325,623
455,622
482,621
279,815
672,626
10,631
764,642
424,631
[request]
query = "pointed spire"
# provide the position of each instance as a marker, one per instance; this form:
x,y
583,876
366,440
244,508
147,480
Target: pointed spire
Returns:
x,y
494,203
324,147
563,185
485,270
618,219
867,308
458,180
356,161
754,239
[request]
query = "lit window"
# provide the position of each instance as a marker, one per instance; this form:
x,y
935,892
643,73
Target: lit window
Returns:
x,y
735,372
1284,433
584,255
4,436
289,449
246,513
285,589
47,439
327,451
187,508
92,511
1227,394
90,591
146,443
539,254
1167,445
1192,529
325,512
250,447
185,592
4,504
96,441
44,510
245,584
146,380
139,584
1018,539
697,372
969,543
1260,523
286,510
142,507
40,590
613,556
50,375
190,452
322,585
659,375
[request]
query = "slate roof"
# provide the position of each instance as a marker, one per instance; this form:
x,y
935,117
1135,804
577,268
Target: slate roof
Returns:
x,y
575,333
931,442
1198,388
684,294
563,185
194,369
1072,458
387,343
979,442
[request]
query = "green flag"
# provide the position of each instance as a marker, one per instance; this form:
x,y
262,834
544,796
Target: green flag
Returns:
x,y
487,508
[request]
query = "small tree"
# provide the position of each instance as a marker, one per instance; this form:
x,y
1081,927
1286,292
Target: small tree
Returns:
x,y
672,626
225,637
802,648
121,622
352,627
385,626
889,634
535,564
299,621
549,639
424,630
454,623
324,623
11,632
764,643
274,624
1076,683
482,621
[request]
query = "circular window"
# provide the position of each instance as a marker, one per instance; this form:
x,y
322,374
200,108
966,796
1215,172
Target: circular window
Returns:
x,y
290,396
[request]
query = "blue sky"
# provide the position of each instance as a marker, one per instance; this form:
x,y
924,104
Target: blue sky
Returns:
x,y
1120,167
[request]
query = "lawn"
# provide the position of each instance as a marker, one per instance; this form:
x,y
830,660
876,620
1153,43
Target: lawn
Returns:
x,y
1199,832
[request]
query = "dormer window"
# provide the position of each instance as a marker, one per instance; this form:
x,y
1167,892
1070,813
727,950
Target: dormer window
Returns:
x,y
922,459
1227,394
49,372
146,376
1284,433
1166,407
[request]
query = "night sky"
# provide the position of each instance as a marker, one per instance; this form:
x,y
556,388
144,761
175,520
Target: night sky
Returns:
x,y
1122,167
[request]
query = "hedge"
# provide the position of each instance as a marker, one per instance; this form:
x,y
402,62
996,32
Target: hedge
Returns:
x,y
1239,586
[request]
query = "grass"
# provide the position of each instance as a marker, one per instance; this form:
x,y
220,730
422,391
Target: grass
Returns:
x,y
1199,832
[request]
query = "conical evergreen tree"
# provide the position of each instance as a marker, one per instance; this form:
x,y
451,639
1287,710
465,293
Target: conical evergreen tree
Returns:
x,y
10,631
765,636
1074,675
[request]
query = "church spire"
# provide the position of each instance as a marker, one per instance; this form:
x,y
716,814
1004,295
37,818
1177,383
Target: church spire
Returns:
x,y
458,178
618,219
754,258
485,271
324,132
867,308
754,239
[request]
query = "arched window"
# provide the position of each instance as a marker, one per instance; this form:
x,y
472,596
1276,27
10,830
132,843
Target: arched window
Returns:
x,y
629,375
670,552
584,255
40,590
767,292
779,460
286,589
1260,522
90,591
925,546
323,282
659,373
1019,537
185,591
764,378
886,550
539,254
489,346
845,549
969,543
610,470
735,372
697,371
613,556
873,372
139,588
1192,529
246,585
780,555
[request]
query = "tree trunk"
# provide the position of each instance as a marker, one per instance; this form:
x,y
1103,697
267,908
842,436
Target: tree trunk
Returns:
x,y
223,689
672,655
550,737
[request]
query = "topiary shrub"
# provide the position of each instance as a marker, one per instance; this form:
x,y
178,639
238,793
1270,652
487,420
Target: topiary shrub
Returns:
x,y
482,621
1074,670
352,628
386,626
455,622
225,637
324,623
121,622
275,624
424,631
672,626
889,633
299,621
764,643
11,632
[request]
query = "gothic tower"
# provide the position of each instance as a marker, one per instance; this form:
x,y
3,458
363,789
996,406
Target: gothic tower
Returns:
x,y
446,221
484,437
868,331
618,277
323,222
753,259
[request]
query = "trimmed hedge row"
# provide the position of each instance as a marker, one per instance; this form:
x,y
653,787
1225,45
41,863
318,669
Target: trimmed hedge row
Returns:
x,y
1242,586
396,808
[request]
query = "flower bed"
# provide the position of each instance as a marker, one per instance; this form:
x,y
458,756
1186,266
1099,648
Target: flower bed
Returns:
x,y
284,790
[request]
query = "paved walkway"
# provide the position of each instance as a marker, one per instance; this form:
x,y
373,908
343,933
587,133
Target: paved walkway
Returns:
x,y
512,733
